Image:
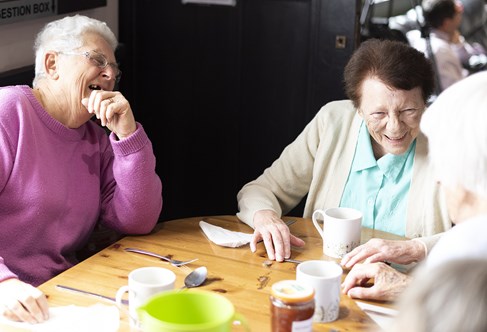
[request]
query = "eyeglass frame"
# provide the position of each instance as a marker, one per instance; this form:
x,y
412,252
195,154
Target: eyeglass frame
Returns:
x,y
88,55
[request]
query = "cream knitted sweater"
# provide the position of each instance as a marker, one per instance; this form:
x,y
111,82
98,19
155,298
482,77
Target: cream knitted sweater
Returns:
x,y
317,164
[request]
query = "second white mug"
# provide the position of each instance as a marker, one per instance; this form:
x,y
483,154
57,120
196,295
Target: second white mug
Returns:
x,y
325,277
341,230
143,283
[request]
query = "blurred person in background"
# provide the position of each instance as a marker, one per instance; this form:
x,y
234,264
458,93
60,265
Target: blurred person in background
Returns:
x,y
452,54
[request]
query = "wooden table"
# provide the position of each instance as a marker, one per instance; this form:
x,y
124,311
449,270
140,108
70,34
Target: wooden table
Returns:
x,y
245,278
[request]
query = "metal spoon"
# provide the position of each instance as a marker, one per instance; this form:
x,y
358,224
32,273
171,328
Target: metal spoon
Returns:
x,y
195,278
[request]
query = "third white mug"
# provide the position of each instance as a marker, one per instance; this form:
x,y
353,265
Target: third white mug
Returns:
x,y
341,230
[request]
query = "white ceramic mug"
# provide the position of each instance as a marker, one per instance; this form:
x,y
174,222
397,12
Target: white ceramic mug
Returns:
x,y
325,277
341,230
143,283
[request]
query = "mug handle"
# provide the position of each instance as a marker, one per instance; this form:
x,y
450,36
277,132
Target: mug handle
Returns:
x,y
239,319
315,222
118,297
124,309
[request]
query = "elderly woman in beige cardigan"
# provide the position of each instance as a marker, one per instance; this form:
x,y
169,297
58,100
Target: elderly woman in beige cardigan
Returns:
x,y
368,145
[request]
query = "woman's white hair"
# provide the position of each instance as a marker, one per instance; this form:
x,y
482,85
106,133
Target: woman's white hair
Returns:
x,y
449,298
65,35
456,127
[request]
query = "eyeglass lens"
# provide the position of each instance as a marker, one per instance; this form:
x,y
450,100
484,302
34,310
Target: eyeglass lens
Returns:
x,y
101,61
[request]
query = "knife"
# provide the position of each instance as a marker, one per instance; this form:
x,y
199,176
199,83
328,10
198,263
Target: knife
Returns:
x,y
125,302
295,261
290,222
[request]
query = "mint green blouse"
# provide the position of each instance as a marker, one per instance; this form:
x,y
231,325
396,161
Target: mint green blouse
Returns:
x,y
379,188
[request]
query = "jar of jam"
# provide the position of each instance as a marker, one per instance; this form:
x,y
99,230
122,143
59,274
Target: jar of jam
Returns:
x,y
292,307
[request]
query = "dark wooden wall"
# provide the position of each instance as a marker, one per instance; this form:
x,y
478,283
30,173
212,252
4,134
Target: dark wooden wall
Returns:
x,y
18,76
222,90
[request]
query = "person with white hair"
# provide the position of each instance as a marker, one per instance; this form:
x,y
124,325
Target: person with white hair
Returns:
x,y
456,128
449,290
449,298
61,174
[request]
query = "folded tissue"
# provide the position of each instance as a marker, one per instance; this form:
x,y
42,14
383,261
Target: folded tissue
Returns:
x,y
224,237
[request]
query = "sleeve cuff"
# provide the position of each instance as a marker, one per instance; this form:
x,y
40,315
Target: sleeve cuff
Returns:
x,y
425,247
131,144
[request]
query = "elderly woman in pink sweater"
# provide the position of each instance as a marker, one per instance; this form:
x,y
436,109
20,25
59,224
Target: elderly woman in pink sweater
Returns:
x,y
60,173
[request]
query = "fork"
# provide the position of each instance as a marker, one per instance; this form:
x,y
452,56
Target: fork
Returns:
x,y
173,262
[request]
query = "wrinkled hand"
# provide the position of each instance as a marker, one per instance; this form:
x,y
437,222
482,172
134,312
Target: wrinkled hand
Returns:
x,y
388,282
22,302
113,111
275,234
380,250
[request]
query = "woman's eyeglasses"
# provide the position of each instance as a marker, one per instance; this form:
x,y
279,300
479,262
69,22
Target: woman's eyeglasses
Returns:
x,y
98,60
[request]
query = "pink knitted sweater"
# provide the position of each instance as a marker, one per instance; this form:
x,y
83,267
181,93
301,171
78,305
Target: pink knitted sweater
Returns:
x,y
56,183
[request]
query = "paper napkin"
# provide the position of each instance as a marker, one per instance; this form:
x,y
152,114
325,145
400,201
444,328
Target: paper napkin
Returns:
x,y
382,316
95,318
224,237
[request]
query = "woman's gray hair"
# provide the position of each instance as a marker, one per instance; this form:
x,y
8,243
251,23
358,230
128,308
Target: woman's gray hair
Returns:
x,y
456,127
65,35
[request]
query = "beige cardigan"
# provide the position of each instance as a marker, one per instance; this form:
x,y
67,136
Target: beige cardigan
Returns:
x,y
317,164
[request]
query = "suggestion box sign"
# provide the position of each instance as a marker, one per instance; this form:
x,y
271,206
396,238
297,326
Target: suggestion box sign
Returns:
x,y
19,10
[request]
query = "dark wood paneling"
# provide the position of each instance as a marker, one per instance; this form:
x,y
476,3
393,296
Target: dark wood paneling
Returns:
x,y
222,90
68,6
186,88
18,76
276,48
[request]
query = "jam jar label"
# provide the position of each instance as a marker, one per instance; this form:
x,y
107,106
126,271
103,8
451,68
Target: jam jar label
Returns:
x,y
303,325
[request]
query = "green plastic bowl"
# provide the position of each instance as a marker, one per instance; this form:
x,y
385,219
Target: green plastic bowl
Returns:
x,y
188,310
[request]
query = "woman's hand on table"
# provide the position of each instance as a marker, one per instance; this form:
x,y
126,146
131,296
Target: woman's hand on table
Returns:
x,y
388,282
20,301
380,250
270,228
